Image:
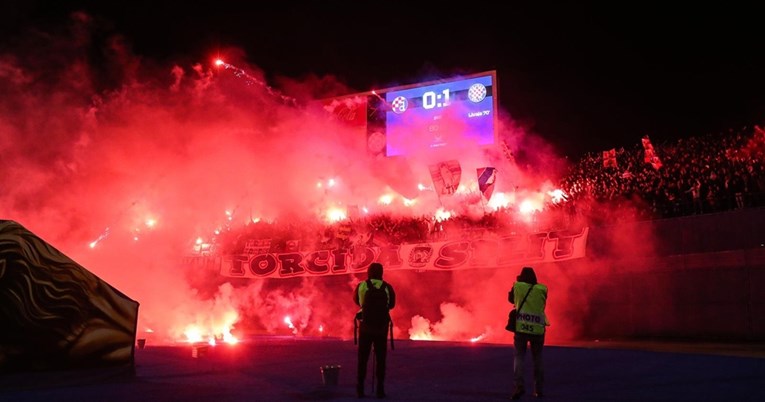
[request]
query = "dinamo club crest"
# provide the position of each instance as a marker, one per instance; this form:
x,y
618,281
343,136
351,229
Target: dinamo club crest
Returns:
x,y
420,255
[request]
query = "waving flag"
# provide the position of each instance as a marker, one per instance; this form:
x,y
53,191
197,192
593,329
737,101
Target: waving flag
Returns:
x,y
446,176
487,176
650,154
609,158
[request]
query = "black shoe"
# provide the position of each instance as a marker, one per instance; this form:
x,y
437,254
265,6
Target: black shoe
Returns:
x,y
380,394
538,391
360,391
519,391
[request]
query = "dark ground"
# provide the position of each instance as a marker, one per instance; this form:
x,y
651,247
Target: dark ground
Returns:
x,y
288,369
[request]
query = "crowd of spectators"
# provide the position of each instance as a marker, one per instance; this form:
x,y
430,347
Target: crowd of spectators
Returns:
x,y
696,175
713,173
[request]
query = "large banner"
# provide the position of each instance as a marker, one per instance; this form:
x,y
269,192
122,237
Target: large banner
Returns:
x,y
508,251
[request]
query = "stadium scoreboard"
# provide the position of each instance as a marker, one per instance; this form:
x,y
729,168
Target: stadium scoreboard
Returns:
x,y
431,115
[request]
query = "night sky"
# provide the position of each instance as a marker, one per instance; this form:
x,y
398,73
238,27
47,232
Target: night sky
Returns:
x,y
584,77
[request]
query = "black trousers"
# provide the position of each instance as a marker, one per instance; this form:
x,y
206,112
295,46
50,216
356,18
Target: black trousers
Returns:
x,y
367,339
521,342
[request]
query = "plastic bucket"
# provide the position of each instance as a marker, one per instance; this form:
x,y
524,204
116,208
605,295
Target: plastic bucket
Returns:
x,y
330,374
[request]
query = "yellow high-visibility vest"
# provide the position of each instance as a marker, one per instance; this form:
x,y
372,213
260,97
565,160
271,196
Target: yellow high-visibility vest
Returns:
x,y
531,318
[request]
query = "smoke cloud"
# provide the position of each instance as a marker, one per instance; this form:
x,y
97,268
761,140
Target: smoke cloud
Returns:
x,y
123,164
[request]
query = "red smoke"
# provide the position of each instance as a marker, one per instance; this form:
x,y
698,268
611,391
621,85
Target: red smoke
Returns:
x,y
123,164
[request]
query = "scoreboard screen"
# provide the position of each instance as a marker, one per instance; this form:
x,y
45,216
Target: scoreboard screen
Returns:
x,y
431,115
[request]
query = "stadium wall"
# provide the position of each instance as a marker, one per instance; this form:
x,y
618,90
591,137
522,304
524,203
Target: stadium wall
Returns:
x,y
697,278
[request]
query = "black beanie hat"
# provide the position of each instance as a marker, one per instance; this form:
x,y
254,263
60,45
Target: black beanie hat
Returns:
x,y
375,271
527,275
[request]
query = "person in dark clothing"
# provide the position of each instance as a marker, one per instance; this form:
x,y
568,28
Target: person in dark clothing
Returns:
x,y
530,299
373,333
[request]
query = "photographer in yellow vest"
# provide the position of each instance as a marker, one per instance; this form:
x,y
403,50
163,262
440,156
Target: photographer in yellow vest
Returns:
x,y
530,299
